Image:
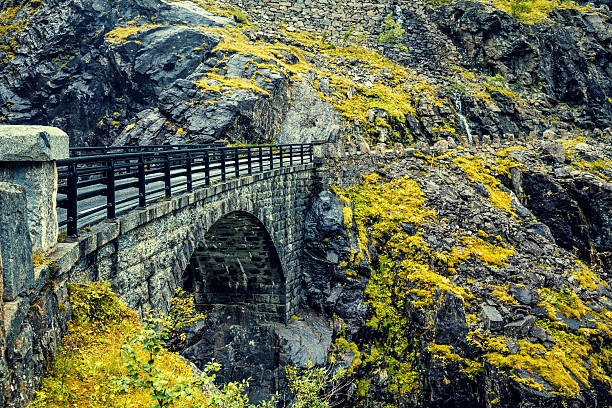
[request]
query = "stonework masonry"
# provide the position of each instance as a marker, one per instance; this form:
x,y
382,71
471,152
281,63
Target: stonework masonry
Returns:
x,y
237,264
333,17
345,21
27,158
144,255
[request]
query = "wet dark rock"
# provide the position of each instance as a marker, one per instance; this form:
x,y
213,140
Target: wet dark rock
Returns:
x,y
519,328
492,318
498,44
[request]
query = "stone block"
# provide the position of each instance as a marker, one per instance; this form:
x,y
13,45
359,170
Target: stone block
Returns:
x,y
39,179
493,320
32,143
15,242
14,313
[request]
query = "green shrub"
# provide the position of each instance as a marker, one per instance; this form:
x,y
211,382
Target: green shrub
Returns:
x,y
518,8
392,31
315,387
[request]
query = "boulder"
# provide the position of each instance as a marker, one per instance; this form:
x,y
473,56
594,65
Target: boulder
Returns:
x,y
440,147
549,134
399,149
364,148
381,149
554,151
492,319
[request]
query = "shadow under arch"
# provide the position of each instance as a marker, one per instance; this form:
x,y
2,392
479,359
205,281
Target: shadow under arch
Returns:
x,y
237,264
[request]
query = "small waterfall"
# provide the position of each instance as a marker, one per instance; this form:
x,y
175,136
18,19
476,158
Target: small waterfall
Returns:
x,y
463,121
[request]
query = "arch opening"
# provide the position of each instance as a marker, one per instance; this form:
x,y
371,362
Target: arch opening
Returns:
x,y
236,264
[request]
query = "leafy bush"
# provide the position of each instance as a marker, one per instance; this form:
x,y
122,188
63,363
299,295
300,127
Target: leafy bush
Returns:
x,y
315,387
106,341
497,81
518,8
392,31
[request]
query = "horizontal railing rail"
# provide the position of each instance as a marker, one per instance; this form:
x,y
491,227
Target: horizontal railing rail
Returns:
x,y
95,150
93,187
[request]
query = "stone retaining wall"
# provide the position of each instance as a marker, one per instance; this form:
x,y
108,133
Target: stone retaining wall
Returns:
x,y
333,17
346,21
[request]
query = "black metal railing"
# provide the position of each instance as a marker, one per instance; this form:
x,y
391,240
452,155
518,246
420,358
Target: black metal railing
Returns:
x,y
98,186
96,150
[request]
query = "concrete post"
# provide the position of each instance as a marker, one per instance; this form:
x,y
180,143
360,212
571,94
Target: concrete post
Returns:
x,y
27,158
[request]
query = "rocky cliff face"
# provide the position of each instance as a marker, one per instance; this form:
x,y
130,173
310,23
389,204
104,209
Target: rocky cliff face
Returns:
x,y
470,297
471,269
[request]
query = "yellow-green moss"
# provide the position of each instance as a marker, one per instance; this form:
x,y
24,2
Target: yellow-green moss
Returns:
x,y
218,83
445,353
502,293
476,171
586,277
535,11
403,277
90,357
342,345
10,25
121,34
40,259
223,9
573,360
483,250
396,95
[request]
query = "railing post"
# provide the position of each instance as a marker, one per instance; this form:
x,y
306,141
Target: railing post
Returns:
x,y
271,158
72,214
207,168
142,193
28,157
261,159
249,160
167,180
237,162
110,190
222,164
301,153
291,155
189,173
280,155
310,152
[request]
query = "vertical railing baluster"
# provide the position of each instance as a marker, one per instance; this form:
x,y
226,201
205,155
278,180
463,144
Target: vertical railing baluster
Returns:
x,y
237,161
260,159
222,164
271,158
71,195
189,173
280,155
310,153
290,155
249,160
110,190
142,193
207,168
301,153
167,176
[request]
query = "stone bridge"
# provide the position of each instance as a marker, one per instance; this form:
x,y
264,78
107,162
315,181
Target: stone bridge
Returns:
x,y
236,242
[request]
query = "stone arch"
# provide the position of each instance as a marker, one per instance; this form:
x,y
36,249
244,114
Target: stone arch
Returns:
x,y
236,263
